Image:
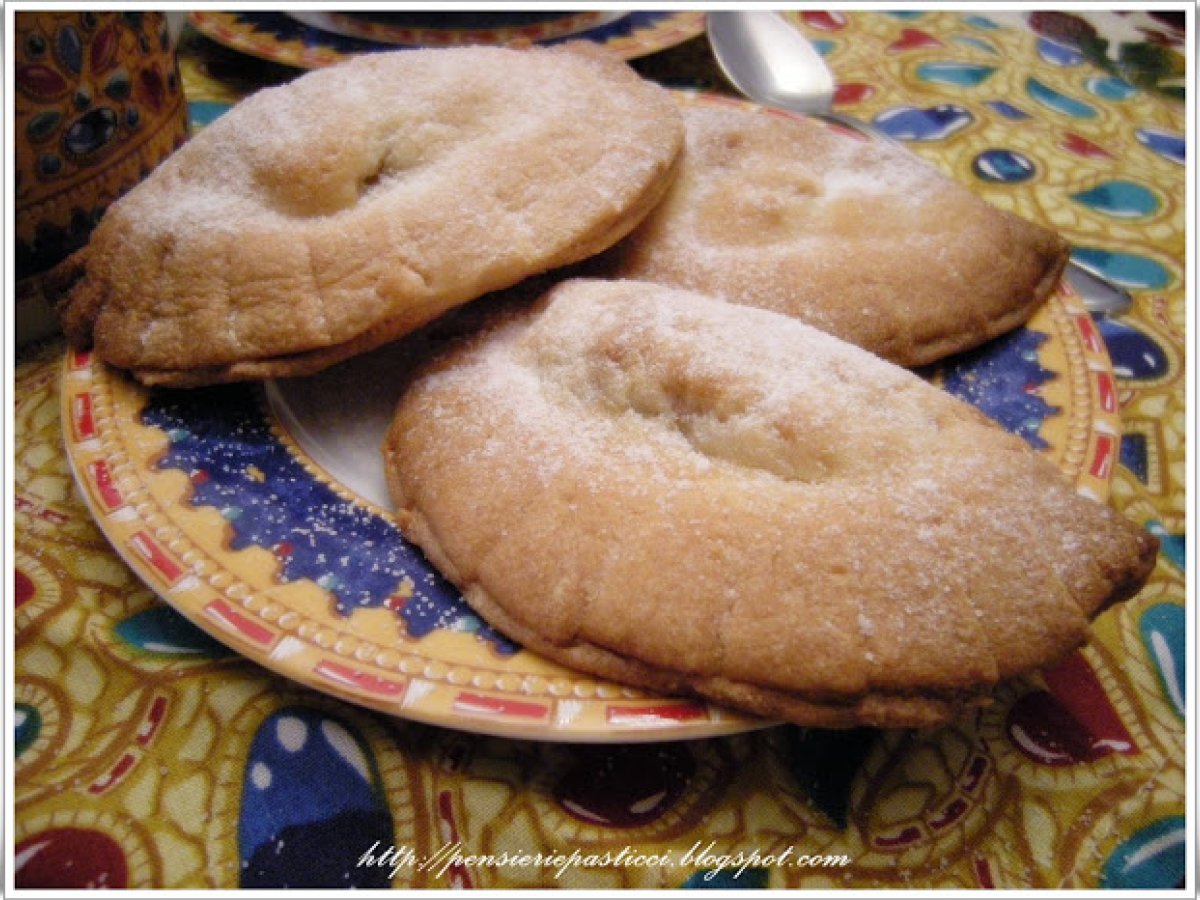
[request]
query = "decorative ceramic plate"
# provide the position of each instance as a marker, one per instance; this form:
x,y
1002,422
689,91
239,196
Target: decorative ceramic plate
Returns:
x,y
259,512
285,38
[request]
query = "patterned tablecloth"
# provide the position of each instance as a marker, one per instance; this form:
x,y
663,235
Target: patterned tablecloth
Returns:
x,y
148,755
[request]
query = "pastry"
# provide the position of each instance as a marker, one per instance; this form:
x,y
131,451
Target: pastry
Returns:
x,y
693,496
859,238
322,218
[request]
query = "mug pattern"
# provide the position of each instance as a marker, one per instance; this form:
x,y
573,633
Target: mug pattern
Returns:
x,y
98,104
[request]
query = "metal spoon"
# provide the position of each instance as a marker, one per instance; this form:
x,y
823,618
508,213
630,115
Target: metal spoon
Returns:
x,y
772,63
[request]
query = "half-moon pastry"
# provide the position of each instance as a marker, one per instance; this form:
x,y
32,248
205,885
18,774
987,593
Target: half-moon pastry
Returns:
x,y
699,497
859,238
330,215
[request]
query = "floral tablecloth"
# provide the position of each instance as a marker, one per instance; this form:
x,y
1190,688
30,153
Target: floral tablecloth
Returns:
x,y
147,755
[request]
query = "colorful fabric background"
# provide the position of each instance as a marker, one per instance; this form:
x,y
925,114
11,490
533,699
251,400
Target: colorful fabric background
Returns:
x,y
147,755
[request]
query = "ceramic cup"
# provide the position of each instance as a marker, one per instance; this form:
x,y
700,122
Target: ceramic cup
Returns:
x,y
98,104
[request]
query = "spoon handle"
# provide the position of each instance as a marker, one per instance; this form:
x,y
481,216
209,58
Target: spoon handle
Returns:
x,y
866,129
1098,294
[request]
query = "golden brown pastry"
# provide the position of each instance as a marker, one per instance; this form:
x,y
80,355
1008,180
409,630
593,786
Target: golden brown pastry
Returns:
x,y
322,218
688,495
858,238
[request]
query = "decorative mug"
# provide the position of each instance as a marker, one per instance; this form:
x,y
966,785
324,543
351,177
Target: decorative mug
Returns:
x,y
98,104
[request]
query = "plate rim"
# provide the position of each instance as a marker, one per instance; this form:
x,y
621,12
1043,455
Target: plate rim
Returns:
x,y
169,562
574,22
676,27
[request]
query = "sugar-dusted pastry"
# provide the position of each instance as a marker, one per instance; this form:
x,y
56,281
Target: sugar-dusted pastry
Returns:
x,y
330,215
859,238
688,495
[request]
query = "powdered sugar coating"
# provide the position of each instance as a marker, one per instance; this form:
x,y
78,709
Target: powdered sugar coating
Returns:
x,y
859,238
360,201
733,496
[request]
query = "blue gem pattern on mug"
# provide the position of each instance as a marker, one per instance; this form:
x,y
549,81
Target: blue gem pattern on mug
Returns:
x,y
98,104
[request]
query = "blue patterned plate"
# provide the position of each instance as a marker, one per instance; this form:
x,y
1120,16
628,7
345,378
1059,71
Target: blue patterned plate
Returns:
x,y
260,513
